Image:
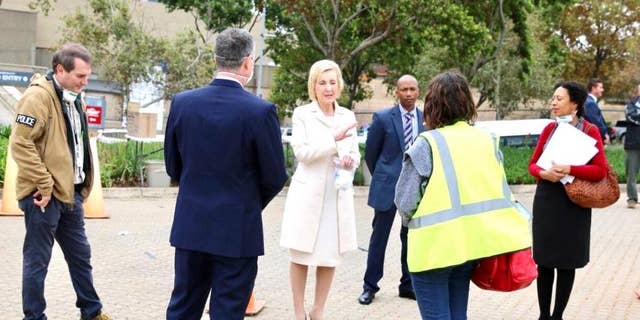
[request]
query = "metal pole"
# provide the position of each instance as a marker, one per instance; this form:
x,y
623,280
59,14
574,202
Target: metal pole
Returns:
x,y
262,37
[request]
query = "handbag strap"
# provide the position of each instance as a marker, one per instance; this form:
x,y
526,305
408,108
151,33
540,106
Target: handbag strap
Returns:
x,y
586,129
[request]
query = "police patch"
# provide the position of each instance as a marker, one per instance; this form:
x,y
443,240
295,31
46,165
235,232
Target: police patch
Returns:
x,y
26,120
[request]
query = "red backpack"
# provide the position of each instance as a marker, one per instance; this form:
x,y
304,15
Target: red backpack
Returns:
x,y
506,272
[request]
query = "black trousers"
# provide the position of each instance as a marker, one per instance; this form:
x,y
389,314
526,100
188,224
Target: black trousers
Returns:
x,y
382,223
229,280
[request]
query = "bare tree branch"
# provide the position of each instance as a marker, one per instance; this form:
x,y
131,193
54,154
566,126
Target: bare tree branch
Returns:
x,y
374,38
255,20
195,22
322,20
480,60
316,43
361,8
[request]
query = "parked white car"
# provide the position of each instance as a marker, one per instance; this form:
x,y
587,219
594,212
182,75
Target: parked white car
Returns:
x,y
362,135
286,134
515,133
620,131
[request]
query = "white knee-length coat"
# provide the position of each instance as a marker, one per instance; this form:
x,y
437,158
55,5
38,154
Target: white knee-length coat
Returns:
x,y
314,146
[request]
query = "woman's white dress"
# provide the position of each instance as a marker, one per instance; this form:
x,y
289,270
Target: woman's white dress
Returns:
x,y
326,249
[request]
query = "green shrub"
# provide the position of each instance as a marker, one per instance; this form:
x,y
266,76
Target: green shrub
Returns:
x,y
615,155
5,132
120,163
358,177
516,163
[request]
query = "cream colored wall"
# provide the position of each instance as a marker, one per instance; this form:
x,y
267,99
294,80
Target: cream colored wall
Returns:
x,y
17,36
153,16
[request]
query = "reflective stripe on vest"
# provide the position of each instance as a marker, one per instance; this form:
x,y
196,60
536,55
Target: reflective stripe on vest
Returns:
x,y
467,211
457,209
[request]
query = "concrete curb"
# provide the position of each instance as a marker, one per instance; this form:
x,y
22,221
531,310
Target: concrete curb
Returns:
x,y
132,193
359,191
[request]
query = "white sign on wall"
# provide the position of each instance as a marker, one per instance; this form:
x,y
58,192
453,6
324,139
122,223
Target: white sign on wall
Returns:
x,y
144,92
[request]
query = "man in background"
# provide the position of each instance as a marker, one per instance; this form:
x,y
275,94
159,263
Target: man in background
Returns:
x,y
391,132
592,111
223,147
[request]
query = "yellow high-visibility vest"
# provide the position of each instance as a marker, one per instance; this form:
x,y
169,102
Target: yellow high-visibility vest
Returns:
x,y
467,211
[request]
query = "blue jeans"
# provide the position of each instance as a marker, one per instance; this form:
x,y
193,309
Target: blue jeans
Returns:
x,y
65,224
443,294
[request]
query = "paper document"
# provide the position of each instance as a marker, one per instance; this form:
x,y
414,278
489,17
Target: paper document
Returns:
x,y
567,145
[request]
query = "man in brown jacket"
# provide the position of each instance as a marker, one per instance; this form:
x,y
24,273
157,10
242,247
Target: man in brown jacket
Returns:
x,y
50,145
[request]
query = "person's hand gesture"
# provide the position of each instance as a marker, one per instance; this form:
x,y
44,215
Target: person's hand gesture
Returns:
x,y
556,172
346,162
40,200
344,132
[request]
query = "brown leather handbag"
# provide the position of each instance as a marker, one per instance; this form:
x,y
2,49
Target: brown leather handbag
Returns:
x,y
598,194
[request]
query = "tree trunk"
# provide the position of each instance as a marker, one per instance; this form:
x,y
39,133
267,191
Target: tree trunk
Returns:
x,y
599,60
125,105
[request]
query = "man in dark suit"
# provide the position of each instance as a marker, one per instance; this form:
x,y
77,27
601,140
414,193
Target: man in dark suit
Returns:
x,y
592,111
223,147
391,132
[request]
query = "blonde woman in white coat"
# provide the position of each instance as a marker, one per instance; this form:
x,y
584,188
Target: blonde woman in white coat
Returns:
x,y
318,224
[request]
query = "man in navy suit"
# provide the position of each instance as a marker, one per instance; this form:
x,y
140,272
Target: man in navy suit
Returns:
x,y
592,111
390,134
223,147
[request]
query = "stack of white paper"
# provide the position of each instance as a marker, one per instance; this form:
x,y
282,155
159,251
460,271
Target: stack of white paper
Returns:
x,y
569,146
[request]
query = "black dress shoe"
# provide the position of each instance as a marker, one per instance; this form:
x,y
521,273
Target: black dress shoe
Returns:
x,y
407,294
366,297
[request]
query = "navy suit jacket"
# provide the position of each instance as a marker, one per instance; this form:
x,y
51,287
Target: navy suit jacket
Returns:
x,y
383,154
223,146
593,114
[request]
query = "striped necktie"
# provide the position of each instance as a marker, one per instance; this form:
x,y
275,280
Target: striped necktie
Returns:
x,y
408,130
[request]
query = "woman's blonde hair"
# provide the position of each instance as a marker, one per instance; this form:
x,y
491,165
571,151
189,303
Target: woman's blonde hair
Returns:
x,y
318,68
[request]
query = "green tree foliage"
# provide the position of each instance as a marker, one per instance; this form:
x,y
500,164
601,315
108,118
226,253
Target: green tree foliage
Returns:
x,y
45,6
501,79
358,35
190,62
471,35
216,15
121,49
125,53
601,40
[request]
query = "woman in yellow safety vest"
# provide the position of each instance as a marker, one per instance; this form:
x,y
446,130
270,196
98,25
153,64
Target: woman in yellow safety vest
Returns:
x,y
453,196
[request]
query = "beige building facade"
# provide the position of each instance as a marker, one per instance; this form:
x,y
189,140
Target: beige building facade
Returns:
x,y
30,37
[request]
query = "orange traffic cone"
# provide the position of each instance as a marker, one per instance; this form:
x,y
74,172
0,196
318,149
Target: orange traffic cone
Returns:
x,y
9,201
255,306
94,206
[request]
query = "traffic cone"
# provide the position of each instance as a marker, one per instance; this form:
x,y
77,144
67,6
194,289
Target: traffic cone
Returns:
x,y
9,201
94,206
255,306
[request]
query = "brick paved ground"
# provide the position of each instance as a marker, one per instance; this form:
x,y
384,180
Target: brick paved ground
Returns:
x,y
133,268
